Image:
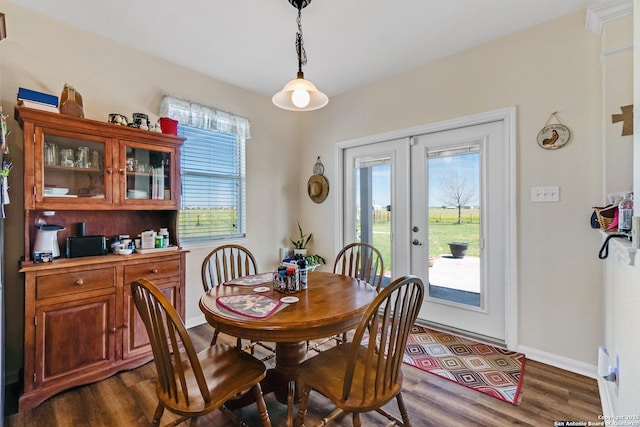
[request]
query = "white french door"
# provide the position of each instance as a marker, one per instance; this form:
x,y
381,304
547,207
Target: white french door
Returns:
x,y
375,184
459,196
451,182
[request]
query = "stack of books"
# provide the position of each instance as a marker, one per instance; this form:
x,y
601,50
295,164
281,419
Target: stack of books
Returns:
x,y
38,100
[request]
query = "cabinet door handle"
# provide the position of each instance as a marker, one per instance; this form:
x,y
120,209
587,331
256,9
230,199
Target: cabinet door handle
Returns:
x,y
125,325
121,171
79,282
112,330
109,171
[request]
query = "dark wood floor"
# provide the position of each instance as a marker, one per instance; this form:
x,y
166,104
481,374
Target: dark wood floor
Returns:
x,y
128,399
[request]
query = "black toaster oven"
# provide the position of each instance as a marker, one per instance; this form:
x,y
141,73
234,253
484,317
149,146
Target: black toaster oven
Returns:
x,y
86,246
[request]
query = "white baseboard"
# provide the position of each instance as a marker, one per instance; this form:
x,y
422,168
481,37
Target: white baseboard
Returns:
x,y
574,366
559,361
605,399
195,321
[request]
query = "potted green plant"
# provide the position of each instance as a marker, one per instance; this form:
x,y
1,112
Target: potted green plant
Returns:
x,y
300,244
314,260
300,249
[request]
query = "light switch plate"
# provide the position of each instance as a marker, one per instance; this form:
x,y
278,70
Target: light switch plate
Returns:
x,y
545,194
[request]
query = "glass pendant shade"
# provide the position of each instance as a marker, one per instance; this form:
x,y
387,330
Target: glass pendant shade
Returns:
x,y
300,95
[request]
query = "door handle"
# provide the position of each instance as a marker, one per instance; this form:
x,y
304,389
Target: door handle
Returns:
x,y
416,242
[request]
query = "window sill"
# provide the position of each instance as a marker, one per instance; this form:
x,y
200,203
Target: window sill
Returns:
x,y
209,244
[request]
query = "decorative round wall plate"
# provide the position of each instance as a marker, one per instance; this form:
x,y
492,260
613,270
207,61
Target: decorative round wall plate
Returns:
x,y
553,136
318,168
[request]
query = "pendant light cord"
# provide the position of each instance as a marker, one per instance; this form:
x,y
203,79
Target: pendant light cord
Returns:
x,y
302,55
300,94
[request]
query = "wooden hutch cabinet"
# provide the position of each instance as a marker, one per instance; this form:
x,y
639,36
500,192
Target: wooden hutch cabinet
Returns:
x,y
81,325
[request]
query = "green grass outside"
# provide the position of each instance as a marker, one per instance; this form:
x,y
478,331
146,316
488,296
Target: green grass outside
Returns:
x,y
443,228
199,222
441,234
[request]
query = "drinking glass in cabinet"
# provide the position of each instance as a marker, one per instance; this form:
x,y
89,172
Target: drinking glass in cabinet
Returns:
x,y
73,167
67,157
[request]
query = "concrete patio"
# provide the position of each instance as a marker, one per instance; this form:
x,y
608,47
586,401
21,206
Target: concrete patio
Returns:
x,y
456,273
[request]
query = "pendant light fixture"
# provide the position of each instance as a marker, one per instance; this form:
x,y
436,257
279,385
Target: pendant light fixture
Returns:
x,y
300,94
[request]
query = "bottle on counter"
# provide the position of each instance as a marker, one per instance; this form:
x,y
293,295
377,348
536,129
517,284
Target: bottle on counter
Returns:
x,y
115,243
302,270
148,239
625,214
164,233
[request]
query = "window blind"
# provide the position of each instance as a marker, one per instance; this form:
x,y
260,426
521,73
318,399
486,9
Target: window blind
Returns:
x,y
447,152
213,185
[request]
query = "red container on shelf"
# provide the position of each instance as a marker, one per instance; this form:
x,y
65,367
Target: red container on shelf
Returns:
x,y
169,126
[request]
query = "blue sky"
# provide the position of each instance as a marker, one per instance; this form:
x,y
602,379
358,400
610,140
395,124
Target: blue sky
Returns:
x,y
467,166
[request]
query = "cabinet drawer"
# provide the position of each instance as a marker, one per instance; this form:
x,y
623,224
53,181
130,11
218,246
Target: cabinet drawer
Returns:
x,y
74,282
152,270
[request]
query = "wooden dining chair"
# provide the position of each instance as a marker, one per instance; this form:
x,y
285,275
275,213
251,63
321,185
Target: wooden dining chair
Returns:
x,y
192,384
366,373
225,263
362,261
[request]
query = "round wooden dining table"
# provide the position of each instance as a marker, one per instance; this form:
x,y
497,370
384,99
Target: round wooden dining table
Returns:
x,y
332,304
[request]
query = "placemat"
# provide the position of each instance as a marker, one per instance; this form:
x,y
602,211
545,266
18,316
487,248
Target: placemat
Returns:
x,y
251,305
253,280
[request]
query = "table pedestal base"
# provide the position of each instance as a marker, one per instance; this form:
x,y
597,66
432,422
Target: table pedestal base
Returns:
x,y
279,379
288,357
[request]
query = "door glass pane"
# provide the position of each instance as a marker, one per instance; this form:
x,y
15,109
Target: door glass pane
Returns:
x,y
73,167
373,207
148,174
454,225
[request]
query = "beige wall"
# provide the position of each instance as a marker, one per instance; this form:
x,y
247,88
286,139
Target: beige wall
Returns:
x,y
42,54
551,67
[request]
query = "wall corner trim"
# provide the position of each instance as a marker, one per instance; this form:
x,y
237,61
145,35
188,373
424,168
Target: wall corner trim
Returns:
x,y
598,15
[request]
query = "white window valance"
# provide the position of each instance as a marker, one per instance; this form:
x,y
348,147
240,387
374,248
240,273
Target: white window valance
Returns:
x,y
202,116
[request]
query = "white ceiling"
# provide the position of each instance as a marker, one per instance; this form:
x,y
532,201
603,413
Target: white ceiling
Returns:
x,y
349,43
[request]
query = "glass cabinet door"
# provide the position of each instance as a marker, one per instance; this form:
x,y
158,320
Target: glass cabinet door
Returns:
x,y
148,174
73,167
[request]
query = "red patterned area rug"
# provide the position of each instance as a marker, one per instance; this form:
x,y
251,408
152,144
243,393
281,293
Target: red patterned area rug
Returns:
x,y
481,367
